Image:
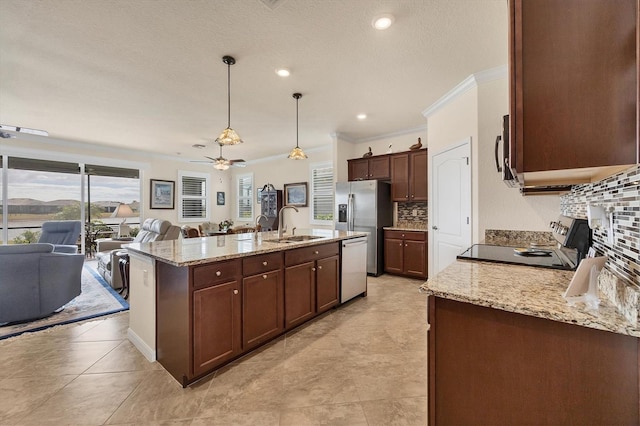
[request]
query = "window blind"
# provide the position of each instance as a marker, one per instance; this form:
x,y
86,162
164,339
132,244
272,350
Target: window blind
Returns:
x,y
245,197
193,196
322,193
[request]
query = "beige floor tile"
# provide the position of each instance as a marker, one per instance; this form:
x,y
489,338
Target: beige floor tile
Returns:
x,y
126,357
240,418
396,412
270,352
160,397
335,415
89,399
112,328
21,396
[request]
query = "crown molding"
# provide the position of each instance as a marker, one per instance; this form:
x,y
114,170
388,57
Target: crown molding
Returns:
x,y
474,80
342,137
393,134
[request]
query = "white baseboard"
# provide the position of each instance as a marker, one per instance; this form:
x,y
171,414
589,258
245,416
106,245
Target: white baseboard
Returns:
x,y
145,349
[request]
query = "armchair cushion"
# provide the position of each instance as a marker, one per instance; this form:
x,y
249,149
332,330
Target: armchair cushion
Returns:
x,y
63,234
35,281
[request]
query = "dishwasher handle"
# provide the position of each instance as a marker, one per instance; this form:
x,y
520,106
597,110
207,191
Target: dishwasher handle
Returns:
x,y
354,242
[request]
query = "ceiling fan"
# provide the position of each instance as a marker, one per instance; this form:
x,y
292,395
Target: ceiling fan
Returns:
x,y
222,163
6,135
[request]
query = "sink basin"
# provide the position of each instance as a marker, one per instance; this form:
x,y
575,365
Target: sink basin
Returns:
x,y
293,239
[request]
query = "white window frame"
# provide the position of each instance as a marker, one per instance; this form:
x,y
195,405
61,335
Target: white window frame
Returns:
x,y
312,167
207,196
239,198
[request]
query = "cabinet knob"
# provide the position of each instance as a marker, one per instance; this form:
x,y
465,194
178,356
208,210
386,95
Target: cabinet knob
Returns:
x,y
316,252
319,267
412,195
235,291
313,269
218,273
264,276
406,245
264,263
400,244
402,235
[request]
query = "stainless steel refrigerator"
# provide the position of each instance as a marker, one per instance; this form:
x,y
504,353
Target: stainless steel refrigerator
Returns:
x,y
365,206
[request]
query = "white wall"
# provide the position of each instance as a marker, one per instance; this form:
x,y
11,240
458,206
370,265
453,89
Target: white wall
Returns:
x,y
398,142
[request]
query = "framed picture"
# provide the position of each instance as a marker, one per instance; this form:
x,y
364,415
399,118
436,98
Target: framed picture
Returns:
x,y
220,198
162,194
295,194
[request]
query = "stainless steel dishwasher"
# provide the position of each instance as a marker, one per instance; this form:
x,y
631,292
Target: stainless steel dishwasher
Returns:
x,y
354,268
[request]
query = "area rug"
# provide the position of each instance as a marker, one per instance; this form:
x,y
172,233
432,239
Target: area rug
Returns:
x,y
97,299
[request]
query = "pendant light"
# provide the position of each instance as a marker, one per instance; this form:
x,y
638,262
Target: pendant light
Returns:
x,y
228,135
297,153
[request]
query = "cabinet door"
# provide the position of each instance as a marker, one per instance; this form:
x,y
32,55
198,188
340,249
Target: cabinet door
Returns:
x,y
299,294
400,177
418,175
379,167
415,258
393,249
573,86
327,279
216,325
262,308
358,169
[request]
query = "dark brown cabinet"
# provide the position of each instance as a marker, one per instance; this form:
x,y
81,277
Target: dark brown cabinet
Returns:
x,y
216,325
311,282
376,167
262,299
409,176
405,253
573,88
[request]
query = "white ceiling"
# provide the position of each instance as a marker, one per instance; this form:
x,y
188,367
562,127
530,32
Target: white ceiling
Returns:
x,y
148,74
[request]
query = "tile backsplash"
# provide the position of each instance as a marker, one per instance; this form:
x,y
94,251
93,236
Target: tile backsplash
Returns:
x,y
406,214
622,193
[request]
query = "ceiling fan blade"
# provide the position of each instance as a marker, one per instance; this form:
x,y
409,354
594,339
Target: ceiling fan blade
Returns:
x,y
200,161
211,158
24,130
238,165
239,160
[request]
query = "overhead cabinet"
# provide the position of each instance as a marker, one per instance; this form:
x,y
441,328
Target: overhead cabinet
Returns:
x,y
574,75
376,167
409,176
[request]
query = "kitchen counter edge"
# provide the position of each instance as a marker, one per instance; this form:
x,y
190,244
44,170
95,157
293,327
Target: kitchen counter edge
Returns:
x,y
524,290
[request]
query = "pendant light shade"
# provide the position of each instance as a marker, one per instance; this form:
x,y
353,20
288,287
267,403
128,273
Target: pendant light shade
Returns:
x,y
297,153
228,135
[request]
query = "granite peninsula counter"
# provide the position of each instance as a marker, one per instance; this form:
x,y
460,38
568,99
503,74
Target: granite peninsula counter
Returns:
x,y
198,303
506,348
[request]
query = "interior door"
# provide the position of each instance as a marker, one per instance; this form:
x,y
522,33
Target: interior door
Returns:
x,y
451,212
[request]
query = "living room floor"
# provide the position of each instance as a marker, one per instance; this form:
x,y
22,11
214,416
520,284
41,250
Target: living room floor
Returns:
x,y
363,363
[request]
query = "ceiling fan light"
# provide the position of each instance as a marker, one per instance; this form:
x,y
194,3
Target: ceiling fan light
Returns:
x,y
297,154
228,137
221,166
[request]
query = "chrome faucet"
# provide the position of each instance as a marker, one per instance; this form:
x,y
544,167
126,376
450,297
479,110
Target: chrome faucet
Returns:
x,y
281,226
258,220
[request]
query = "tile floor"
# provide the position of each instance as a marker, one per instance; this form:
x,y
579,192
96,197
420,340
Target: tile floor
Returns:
x,y
361,364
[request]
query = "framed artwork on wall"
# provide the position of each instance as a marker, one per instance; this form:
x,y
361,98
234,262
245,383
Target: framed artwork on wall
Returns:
x,y
295,194
162,194
220,198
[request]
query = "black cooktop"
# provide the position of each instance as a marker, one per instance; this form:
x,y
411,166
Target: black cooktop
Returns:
x,y
542,258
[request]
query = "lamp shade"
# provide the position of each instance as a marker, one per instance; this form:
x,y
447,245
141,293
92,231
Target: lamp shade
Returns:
x,y
228,137
297,154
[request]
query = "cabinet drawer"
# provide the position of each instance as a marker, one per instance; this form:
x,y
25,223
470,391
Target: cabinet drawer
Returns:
x,y
406,235
217,273
263,263
307,254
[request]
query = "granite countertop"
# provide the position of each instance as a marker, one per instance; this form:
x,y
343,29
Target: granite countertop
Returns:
x,y
409,228
524,290
194,251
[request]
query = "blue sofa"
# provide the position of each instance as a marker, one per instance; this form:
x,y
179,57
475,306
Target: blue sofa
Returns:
x,y
63,234
35,281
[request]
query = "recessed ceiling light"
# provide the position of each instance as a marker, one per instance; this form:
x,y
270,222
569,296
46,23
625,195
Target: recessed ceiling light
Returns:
x,y
283,72
382,22
198,146
361,116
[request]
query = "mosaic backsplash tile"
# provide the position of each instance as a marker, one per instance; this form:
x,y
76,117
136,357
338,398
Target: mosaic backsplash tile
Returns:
x,y
408,219
621,192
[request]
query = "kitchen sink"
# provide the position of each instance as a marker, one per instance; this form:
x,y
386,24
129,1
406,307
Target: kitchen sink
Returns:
x,y
293,239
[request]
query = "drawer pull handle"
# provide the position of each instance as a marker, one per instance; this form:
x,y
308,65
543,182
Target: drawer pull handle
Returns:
x,y
218,273
235,291
316,252
265,263
264,276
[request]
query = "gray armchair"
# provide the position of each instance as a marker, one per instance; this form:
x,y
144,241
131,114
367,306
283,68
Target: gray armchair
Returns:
x,y
109,250
35,281
63,234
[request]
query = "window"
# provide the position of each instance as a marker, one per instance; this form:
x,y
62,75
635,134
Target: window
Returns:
x,y
193,196
244,197
322,190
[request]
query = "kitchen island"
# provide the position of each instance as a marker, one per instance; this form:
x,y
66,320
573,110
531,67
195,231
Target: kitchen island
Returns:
x,y
198,303
506,348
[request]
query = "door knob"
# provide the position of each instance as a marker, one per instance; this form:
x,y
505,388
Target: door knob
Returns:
x,y
434,227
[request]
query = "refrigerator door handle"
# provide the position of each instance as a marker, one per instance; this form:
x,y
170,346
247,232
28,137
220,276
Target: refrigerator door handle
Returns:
x,y
350,213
